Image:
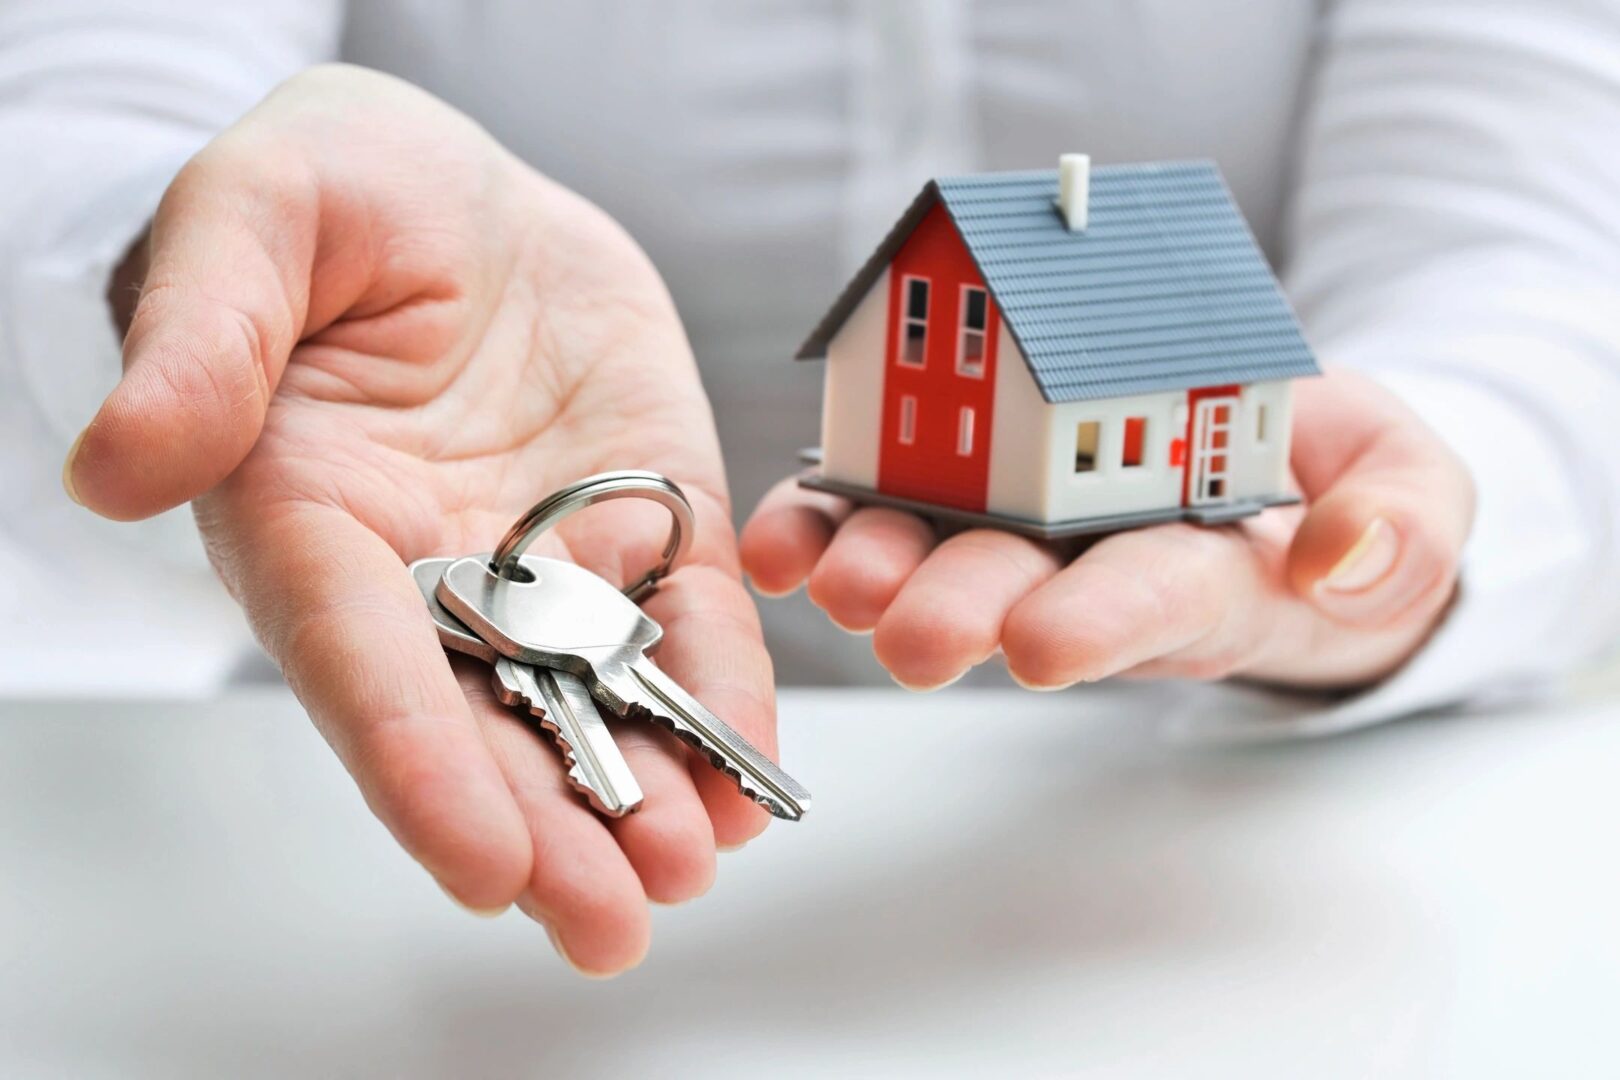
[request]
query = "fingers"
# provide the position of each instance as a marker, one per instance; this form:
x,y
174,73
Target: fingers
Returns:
x,y
787,534
339,612
582,887
713,646
1271,598
223,303
670,840
1390,508
949,613
1141,596
874,552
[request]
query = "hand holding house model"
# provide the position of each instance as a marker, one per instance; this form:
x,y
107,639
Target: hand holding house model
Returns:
x,y
1059,352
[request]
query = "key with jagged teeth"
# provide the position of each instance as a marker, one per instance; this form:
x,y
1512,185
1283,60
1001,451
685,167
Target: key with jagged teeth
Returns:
x,y
558,700
568,619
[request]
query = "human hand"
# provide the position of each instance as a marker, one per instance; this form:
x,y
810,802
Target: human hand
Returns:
x,y
1336,593
367,334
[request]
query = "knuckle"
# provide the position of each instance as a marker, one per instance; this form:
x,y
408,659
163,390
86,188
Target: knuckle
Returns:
x,y
257,171
700,590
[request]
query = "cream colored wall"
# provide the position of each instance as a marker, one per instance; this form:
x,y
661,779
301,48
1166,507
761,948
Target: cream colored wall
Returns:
x,y
852,399
1260,467
1111,488
1018,437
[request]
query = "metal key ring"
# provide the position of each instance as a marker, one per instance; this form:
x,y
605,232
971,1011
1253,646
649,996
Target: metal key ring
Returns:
x,y
623,484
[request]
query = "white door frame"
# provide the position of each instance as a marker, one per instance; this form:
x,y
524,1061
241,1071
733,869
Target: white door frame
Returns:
x,y
1211,484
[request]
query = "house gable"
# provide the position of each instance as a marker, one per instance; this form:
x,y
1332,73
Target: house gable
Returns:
x,y
938,370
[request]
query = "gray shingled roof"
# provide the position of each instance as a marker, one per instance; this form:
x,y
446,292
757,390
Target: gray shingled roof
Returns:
x,y
1165,289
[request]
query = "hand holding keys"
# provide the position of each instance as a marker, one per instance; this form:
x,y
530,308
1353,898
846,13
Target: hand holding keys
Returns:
x,y
564,642
559,701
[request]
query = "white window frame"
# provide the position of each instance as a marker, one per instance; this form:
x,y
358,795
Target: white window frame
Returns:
x,y
965,424
908,419
963,330
1203,453
907,320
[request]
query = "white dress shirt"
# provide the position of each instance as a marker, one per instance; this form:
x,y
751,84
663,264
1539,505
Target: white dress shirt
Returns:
x,y
1438,180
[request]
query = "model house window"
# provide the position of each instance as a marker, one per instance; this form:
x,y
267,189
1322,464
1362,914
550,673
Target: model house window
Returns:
x,y
1135,436
964,432
914,330
1086,437
1260,424
970,335
908,420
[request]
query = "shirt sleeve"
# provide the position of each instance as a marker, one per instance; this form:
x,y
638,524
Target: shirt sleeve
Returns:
x,y
101,102
1455,233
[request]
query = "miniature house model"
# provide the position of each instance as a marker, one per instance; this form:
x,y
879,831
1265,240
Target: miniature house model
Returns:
x,y
1063,351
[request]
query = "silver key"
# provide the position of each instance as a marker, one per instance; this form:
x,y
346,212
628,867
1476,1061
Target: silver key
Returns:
x,y
453,633
569,619
561,703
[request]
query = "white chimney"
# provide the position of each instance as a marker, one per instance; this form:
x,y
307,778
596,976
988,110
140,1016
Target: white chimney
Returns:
x,y
1074,189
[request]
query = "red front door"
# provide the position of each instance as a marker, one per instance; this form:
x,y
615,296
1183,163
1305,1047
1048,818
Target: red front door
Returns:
x,y
1211,414
939,371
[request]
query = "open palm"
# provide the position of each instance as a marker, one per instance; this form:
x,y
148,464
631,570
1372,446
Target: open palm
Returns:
x,y
1336,594
368,334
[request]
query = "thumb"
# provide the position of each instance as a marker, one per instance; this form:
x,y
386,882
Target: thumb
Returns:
x,y
1380,544
223,303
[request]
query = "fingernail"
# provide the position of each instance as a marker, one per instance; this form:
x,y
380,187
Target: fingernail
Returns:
x,y
868,632
728,848
927,688
772,594
67,467
1041,688
482,913
1367,562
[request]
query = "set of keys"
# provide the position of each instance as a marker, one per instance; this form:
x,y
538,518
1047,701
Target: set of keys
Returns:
x,y
570,650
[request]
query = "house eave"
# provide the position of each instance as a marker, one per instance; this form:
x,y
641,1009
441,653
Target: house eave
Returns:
x,y
815,346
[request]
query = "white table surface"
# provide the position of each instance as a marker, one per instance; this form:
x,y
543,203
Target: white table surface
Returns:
x,y
1006,883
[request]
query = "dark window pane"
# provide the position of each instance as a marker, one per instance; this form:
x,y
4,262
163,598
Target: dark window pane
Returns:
x,y
975,309
917,299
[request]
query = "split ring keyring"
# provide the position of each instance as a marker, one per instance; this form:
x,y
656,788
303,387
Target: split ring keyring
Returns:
x,y
623,484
